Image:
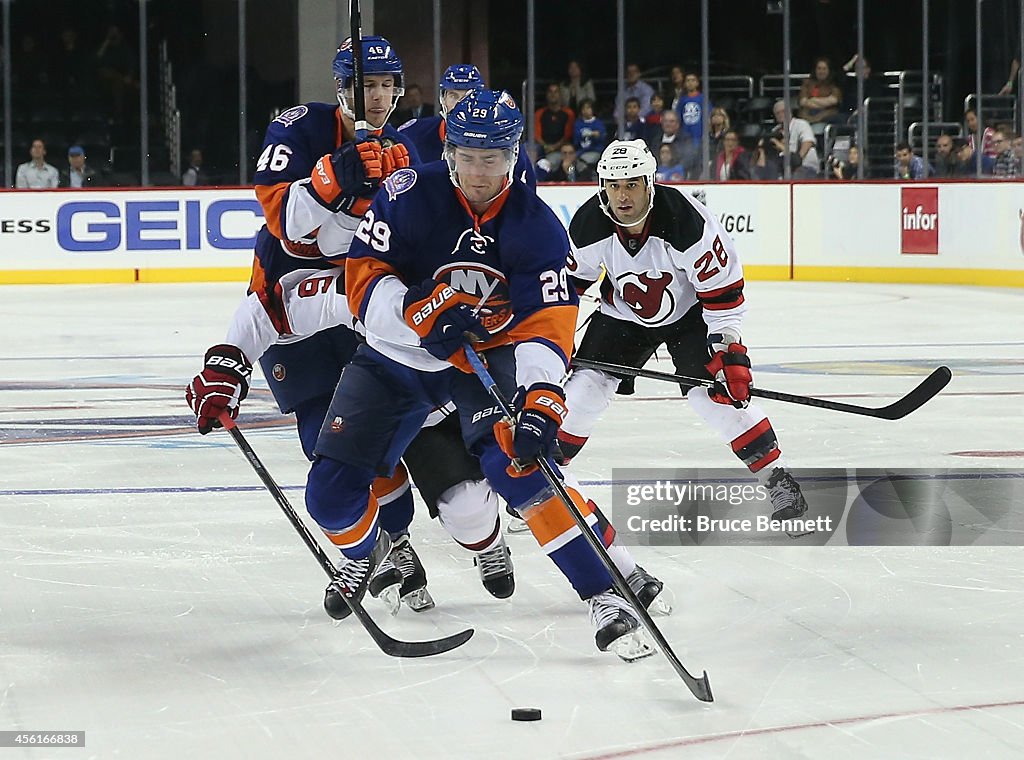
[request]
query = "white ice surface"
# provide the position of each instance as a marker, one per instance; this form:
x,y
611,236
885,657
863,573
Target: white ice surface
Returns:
x,y
167,618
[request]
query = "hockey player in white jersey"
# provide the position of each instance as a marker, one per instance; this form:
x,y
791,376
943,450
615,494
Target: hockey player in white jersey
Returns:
x,y
672,277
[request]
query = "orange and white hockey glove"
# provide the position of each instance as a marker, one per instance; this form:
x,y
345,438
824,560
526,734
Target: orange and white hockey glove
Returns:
x,y
348,179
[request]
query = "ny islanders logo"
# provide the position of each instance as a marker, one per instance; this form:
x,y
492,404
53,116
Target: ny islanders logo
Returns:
x,y
647,294
482,284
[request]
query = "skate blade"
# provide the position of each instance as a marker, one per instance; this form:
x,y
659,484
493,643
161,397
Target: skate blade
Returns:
x,y
632,647
391,598
419,600
661,605
518,525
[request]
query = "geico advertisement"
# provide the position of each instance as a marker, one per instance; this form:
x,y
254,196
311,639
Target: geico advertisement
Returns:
x,y
115,222
182,227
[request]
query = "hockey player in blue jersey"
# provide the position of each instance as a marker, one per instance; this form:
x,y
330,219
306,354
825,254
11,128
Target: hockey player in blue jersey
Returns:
x,y
427,134
314,182
447,250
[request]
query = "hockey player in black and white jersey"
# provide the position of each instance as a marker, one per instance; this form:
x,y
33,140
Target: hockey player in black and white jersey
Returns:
x,y
672,277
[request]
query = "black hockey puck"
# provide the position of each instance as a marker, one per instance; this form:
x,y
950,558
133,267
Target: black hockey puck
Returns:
x,y
526,713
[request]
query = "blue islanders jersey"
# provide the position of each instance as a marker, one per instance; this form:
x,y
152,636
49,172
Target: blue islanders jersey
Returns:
x,y
427,134
511,262
298,232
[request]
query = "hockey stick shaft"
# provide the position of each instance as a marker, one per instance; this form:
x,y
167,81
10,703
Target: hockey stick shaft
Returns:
x,y
700,687
925,391
355,22
387,644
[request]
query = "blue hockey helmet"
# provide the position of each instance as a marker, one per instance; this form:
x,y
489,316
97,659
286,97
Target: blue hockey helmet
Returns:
x,y
486,120
462,77
378,58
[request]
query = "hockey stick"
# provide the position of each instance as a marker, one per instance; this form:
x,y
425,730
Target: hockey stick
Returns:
x,y
898,409
388,645
355,23
700,687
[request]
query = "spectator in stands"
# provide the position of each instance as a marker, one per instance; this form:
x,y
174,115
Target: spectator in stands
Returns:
x,y
635,126
908,166
116,71
820,96
553,124
718,125
576,88
29,66
802,151
194,174
1007,164
73,68
691,107
670,132
657,106
635,88
570,168
78,174
412,106
727,162
971,128
945,161
652,122
36,174
873,86
966,163
589,135
677,87
836,168
764,162
670,169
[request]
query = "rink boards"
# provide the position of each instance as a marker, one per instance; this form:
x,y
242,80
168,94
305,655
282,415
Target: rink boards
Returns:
x,y
962,232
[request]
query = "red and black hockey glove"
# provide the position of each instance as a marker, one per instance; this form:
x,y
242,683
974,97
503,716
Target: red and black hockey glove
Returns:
x,y
543,409
347,179
730,367
221,386
443,320
393,158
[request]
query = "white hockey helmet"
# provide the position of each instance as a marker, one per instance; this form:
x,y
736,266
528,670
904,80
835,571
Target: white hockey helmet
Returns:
x,y
622,160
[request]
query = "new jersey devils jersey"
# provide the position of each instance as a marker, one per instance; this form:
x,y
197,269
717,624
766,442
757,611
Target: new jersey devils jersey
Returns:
x,y
681,255
510,263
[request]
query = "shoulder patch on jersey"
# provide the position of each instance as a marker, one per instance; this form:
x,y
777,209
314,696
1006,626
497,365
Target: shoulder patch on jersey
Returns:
x,y
406,124
399,182
292,115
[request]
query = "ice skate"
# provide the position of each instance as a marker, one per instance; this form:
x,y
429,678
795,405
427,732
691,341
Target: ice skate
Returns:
x,y
788,501
496,571
414,591
376,573
648,590
617,627
517,524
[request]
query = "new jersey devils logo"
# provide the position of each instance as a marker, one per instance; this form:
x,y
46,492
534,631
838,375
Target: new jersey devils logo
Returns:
x,y
648,296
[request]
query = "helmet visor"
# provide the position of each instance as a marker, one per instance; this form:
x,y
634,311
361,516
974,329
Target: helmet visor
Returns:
x,y
479,162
